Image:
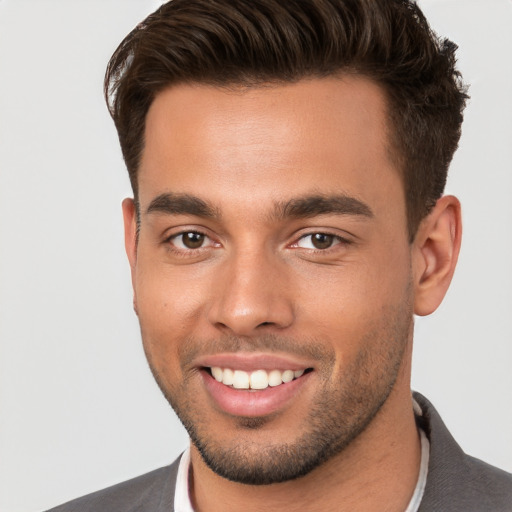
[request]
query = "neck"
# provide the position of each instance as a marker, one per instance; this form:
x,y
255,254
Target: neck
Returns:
x,y
378,471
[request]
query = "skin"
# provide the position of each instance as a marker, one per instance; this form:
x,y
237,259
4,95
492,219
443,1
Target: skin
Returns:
x,y
256,285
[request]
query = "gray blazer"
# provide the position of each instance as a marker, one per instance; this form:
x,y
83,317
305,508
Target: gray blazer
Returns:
x,y
456,482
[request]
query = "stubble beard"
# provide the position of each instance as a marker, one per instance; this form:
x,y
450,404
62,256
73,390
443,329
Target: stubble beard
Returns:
x,y
341,410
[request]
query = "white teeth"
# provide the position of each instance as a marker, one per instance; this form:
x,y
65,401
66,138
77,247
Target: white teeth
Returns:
x,y
217,373
227,377
287,376
274,378
240,380
259,379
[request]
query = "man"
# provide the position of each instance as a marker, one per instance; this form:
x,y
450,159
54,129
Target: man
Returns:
x,y
288,161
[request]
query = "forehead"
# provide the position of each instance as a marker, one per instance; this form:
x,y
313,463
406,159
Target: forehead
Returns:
x,y
271,142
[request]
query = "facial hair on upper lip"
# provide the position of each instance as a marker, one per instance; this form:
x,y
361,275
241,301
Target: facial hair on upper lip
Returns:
x,y
308,350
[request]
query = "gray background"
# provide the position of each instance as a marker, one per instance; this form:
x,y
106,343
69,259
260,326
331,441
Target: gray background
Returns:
x,y
79,409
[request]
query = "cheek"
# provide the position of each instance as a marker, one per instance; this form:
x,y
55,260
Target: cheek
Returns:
x,y
349,291
345,304
169,305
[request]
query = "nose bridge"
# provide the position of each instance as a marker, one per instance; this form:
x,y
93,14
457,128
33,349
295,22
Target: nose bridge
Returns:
x,y
251,293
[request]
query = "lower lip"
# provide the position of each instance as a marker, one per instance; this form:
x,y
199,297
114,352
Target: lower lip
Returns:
x,y
253,403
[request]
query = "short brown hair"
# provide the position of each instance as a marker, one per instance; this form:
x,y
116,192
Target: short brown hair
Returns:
x,y
252,42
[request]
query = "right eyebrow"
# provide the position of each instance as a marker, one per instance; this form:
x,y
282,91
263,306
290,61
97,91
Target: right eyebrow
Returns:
x,y
181,204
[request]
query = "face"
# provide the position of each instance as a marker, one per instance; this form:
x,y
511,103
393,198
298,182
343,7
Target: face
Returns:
x,y
272,271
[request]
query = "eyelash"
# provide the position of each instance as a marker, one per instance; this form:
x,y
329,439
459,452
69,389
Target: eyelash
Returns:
x,y
337,241
188,251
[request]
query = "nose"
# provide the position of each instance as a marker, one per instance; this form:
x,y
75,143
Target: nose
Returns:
x,y
251,293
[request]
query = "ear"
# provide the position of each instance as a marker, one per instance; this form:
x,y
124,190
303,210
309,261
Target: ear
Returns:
x,y
130,240
435,252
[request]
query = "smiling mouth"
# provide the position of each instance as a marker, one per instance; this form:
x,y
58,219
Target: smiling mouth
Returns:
x,y
257,380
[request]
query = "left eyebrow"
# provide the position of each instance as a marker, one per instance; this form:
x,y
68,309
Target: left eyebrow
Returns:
x,y
312,206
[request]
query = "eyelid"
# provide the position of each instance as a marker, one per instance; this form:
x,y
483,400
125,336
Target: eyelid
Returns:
x,y
175,240
182,230
210,241
338,240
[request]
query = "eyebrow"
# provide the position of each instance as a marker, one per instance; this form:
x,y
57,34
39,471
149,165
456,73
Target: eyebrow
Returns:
x,y
300,207
311,206
182,204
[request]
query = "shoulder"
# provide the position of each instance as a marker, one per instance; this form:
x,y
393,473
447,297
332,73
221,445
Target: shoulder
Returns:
x,y
152,491
457,481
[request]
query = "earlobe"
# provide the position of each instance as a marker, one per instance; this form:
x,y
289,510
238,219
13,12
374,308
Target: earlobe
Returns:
x,y
130,240
435,252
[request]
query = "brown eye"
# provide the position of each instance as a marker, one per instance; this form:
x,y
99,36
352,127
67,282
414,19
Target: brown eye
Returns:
x,y
318,241
322,241
189,240
193,240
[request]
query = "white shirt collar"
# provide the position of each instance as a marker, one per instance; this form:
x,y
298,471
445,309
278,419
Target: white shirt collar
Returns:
x,y
181,496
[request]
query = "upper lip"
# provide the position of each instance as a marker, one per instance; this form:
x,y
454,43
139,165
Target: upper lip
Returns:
x,y
252,361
